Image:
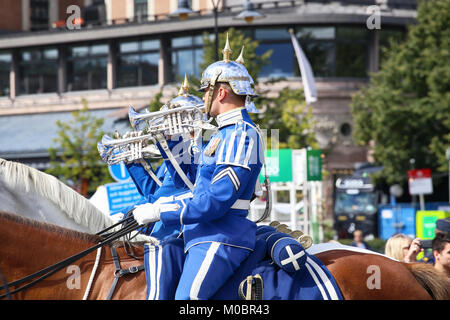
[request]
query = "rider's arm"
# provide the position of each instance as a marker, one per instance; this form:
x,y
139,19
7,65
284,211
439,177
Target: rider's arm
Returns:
x,y
145,184
238,165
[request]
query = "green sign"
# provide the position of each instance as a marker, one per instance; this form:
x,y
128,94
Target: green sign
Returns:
x,y
426,222
279,165
314,165
429,224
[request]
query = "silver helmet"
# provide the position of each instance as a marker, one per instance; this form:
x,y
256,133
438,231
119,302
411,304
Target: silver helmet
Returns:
x,y
184,98
232,72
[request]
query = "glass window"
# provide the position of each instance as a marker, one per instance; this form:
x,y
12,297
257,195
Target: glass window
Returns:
x,y
271,34
51,54
352,34
129,47
182,42
351,60
140,9
99,49
38,70
86,67
137,63
39,14
150,45
5,68
282,61
335,52
80,51
321,55
320,33
149,68
351,52
187,55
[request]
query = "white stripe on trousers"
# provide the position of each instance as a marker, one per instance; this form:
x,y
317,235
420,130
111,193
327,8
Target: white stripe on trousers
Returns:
x,y
198,280
155,271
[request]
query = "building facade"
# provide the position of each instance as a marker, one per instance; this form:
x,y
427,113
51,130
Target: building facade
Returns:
x,y
116,53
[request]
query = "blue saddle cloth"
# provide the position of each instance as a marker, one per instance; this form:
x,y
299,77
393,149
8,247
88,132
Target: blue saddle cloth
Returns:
x,y
287,270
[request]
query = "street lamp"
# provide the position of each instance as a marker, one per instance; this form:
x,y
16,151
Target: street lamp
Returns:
x,y
249,13
183,10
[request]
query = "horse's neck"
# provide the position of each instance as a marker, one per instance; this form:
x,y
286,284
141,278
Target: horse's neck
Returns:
x,y
27,247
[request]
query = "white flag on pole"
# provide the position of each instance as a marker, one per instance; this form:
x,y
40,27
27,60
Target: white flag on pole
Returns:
x,y
309,85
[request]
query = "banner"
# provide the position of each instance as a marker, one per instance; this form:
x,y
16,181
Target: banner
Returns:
x,y
309,86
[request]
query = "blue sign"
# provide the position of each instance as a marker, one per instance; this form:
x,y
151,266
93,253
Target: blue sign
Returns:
x,y
122,195
119,172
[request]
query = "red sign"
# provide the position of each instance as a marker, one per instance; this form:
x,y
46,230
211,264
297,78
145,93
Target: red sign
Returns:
x,y
419,173
420,181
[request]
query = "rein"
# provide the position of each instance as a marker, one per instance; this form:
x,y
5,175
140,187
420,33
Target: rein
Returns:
x,y
46,272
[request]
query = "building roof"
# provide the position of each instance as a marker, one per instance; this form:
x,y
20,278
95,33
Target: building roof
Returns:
x,y
31,135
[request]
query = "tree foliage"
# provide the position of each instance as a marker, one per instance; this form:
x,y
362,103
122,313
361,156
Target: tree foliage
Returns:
x,y
75,159
405,109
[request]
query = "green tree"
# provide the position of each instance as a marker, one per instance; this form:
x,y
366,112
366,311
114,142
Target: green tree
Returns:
x,y
75,159
405,110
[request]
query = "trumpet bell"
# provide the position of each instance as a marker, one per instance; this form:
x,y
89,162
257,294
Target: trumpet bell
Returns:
x,y
103,151
133,116
106,139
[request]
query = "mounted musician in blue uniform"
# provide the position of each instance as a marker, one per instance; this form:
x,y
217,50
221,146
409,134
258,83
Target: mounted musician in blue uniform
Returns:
x,y
218,237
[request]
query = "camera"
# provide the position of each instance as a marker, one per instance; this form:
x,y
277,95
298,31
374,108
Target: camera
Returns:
x,y
426,244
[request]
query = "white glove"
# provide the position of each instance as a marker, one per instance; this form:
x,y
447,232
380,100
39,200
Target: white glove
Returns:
x,y
151,212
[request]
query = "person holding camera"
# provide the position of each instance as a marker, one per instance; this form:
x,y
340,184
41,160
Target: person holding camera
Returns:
x,y
403,248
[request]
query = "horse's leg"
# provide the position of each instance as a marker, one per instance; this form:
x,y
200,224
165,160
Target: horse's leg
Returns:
x,y
369,276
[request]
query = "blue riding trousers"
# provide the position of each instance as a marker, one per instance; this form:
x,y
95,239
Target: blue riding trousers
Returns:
x,y
207,267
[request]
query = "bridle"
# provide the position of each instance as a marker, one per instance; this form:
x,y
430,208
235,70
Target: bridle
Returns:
x,y
128,226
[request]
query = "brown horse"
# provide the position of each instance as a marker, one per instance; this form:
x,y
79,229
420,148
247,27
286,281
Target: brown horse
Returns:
x,y
28,246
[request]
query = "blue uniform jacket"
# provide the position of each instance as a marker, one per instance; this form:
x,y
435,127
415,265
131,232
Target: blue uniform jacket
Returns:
x,y
226,174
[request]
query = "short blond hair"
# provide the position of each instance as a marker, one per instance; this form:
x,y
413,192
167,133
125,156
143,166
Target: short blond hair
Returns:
x,y
395,244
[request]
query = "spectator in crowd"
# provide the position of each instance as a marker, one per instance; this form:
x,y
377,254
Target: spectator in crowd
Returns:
x,y
403,248
441,253
358,240
442,227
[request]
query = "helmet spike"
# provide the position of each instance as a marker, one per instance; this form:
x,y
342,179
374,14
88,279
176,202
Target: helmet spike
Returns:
x,y
184,89
240,59
226,51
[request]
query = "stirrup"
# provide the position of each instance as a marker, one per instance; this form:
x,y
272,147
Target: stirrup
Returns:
x,y
254,288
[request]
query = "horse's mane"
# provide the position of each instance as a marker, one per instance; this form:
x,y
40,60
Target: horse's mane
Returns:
x,y
20,177
26,179
17,219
